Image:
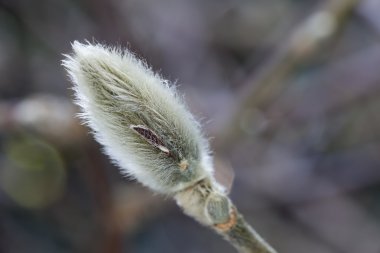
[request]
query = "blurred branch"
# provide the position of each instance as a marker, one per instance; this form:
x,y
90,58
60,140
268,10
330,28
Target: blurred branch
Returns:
x,y
345,82
97,182
269,82
46,115
342,87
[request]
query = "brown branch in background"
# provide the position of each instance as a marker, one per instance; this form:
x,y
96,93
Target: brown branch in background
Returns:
x,y
306,40
95,177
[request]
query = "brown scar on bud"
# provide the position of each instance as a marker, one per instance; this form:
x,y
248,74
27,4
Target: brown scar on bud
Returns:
x,y
151,137
229,224
184,164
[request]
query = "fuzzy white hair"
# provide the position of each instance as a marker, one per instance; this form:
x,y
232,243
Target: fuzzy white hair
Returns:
x,y
138,117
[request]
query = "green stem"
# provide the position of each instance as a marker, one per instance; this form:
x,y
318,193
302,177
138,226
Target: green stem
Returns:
x,y
243,237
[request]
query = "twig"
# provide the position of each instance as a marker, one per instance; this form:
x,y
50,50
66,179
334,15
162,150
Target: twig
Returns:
x,y
228,222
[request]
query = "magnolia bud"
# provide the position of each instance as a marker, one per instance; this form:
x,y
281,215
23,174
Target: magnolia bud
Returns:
x,y
139,118
146,129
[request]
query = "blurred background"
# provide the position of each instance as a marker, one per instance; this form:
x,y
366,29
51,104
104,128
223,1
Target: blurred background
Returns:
x,y
288,92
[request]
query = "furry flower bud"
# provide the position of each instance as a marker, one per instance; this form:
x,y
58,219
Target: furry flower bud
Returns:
x,y
138,117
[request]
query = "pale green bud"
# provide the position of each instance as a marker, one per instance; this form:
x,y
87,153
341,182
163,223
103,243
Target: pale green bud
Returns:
x,y
218,208
138,117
